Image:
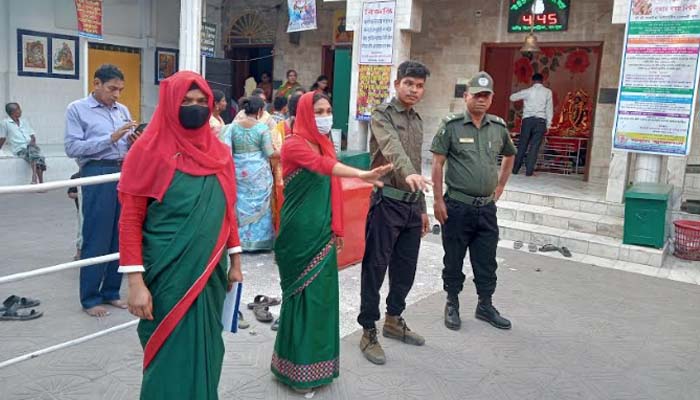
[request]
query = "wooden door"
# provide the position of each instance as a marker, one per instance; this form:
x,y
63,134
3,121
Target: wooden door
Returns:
x,y
495,60
129,61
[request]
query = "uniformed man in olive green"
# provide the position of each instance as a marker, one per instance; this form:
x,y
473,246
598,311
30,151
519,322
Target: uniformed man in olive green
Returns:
x,y
397,217
470,143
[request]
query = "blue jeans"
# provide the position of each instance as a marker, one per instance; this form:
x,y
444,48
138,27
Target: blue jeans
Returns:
x,y
99,283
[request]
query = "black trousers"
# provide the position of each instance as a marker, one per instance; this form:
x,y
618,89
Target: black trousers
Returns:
x,y
476,229
531,135
392,240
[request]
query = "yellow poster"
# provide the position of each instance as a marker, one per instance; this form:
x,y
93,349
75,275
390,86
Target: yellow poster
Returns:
x,y
372,90
340,35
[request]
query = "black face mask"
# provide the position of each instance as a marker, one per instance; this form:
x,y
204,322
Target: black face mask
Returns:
x,y
194,117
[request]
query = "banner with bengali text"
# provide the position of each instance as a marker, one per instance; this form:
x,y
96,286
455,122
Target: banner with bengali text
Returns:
x,y
659,78
377,34
372,89
89,18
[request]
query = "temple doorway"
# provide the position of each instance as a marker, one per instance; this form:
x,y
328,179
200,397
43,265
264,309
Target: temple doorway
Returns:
x,y
571,71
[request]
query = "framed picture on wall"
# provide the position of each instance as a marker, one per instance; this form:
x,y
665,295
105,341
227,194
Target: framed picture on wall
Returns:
x,y
33,53
166,63
65,57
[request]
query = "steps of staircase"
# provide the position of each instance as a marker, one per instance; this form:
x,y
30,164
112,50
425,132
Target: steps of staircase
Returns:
x,y
580,221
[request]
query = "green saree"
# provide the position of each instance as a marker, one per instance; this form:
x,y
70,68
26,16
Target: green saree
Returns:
x,y
308,339
183,241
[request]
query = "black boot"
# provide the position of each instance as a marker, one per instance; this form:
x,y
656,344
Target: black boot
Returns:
x,y
485,311
452,320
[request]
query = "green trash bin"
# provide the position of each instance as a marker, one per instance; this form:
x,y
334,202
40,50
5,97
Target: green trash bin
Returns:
x,y
645,214
357,159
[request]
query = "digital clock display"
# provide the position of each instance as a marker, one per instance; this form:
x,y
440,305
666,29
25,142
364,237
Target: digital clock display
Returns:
x,y
539,15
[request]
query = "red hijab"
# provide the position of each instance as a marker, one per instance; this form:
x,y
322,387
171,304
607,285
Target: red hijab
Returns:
x,y
305,127
167,146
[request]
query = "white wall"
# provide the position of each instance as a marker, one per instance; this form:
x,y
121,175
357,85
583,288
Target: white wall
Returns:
x,y
142,24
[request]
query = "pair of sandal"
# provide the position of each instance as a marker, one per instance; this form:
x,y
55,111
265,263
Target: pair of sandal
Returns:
x,y
10,310
532,248
261,309
550,247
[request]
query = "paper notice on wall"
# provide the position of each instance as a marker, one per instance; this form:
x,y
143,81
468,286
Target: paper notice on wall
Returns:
x,y
377,34
89,18
302,15
659,78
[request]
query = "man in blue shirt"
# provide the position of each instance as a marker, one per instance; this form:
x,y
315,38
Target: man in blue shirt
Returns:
x,y
98,133
20,137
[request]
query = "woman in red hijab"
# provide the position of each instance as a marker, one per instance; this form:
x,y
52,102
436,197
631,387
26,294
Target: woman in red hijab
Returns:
x,y
178,224
311,229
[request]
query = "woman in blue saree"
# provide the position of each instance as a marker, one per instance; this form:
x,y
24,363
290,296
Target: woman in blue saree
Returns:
x,y
252,149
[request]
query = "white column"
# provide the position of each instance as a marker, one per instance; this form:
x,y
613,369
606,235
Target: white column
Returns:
x,y
357,130
86,76
407,20
617,176
190,32
675,172
647,168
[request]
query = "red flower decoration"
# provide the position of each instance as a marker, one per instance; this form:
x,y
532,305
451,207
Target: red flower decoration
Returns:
x,y
577,62
549,52
523,70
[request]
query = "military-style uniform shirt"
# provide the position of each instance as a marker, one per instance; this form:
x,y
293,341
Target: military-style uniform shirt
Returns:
x,y
397,137
472,163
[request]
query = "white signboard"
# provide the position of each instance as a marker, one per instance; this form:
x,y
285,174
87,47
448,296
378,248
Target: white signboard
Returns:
x,y
659,78
377,35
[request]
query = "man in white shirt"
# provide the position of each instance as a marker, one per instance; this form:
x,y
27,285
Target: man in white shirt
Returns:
x,y
537,119
20,136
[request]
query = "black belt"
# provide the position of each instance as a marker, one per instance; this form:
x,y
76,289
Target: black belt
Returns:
x,y
105,163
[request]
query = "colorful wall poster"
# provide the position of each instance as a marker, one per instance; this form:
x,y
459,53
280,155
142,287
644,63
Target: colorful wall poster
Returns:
x,y
372,90
89,18
302,15
659,78
341,36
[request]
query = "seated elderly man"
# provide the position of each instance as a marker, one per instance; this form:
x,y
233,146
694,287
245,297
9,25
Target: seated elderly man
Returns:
x,y
20,136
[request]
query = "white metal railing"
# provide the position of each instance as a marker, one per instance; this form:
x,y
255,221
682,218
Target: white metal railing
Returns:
x,y
59,267
43,187
47,350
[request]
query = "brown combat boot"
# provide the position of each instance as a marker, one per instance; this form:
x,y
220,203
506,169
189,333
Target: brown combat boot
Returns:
x,y
371,348
396,328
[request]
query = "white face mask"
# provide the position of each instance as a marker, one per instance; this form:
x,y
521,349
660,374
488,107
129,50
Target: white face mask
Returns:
x,y
324,124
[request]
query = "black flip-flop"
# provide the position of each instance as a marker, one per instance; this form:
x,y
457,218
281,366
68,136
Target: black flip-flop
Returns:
x,y
262,300
548,248
21,302
263,314
565,252
11,314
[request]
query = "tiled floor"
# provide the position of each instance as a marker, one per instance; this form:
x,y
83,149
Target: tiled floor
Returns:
x,y
579,332
560,185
